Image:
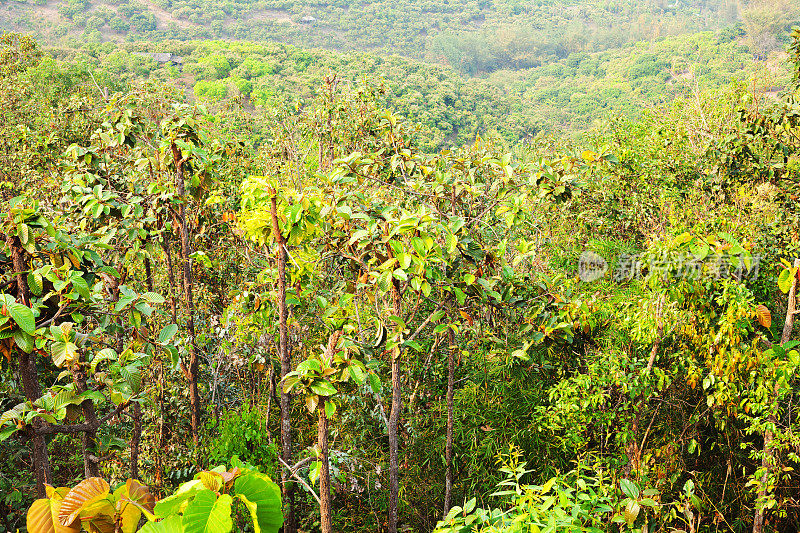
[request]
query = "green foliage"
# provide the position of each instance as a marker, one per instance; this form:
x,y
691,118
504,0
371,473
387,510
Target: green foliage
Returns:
x,y
213,501
664,376
243,433
584,499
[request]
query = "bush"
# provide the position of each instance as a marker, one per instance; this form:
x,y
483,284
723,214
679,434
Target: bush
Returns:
x,y
211,90
243,433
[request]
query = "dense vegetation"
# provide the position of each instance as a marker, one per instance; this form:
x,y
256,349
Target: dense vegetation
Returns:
x,y
273,287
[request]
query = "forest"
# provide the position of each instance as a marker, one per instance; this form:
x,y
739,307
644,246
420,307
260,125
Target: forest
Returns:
x,y
440,267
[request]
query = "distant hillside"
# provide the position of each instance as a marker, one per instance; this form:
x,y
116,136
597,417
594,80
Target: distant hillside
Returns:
x,y
582,87
567,95
473,36
452,109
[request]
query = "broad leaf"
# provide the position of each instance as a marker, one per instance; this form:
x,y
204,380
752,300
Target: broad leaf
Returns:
x,y
173,524
167,333
208,514
23,316
171,504
23,340
43,517
764,316
80,497
260,490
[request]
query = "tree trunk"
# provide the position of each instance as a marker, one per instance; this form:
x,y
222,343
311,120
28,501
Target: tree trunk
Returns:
x,y
325,518
448,449
136,437
290,525
91,468
394,419
29,375
173,307
767,458
160,450
194,363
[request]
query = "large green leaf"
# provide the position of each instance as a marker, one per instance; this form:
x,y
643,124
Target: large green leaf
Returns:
x,y
153,298
208,514
167,333
171,504
173,524
260,490
23,316
786,279
23,340
323,388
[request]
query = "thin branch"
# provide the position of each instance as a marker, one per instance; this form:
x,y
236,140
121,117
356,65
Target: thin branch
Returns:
x,y
300,480
425,323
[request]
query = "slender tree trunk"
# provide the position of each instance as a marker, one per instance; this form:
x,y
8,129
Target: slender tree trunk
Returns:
x,y
160,450
325,518
136,437
394,419
91,467
768,457
173,306
290,525
194,363
29,375
448,449
270,392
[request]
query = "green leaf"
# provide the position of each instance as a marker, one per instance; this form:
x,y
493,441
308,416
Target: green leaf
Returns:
x,y
64,353
260,490
167,333
629,488
168,525
375,382
383,281
405,260
106,354
208,514
133,377
631,512
79,284
785,279
460,296
699,248
171,504
35,283
23,316
24,234
23,341
323,388
153,298
330,409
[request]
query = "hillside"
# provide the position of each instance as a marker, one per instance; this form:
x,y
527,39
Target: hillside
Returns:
x,y
473,36
567,95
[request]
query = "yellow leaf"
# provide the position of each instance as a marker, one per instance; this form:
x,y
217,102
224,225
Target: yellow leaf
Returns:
x,y
764,316
211,480
43,516
81,496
